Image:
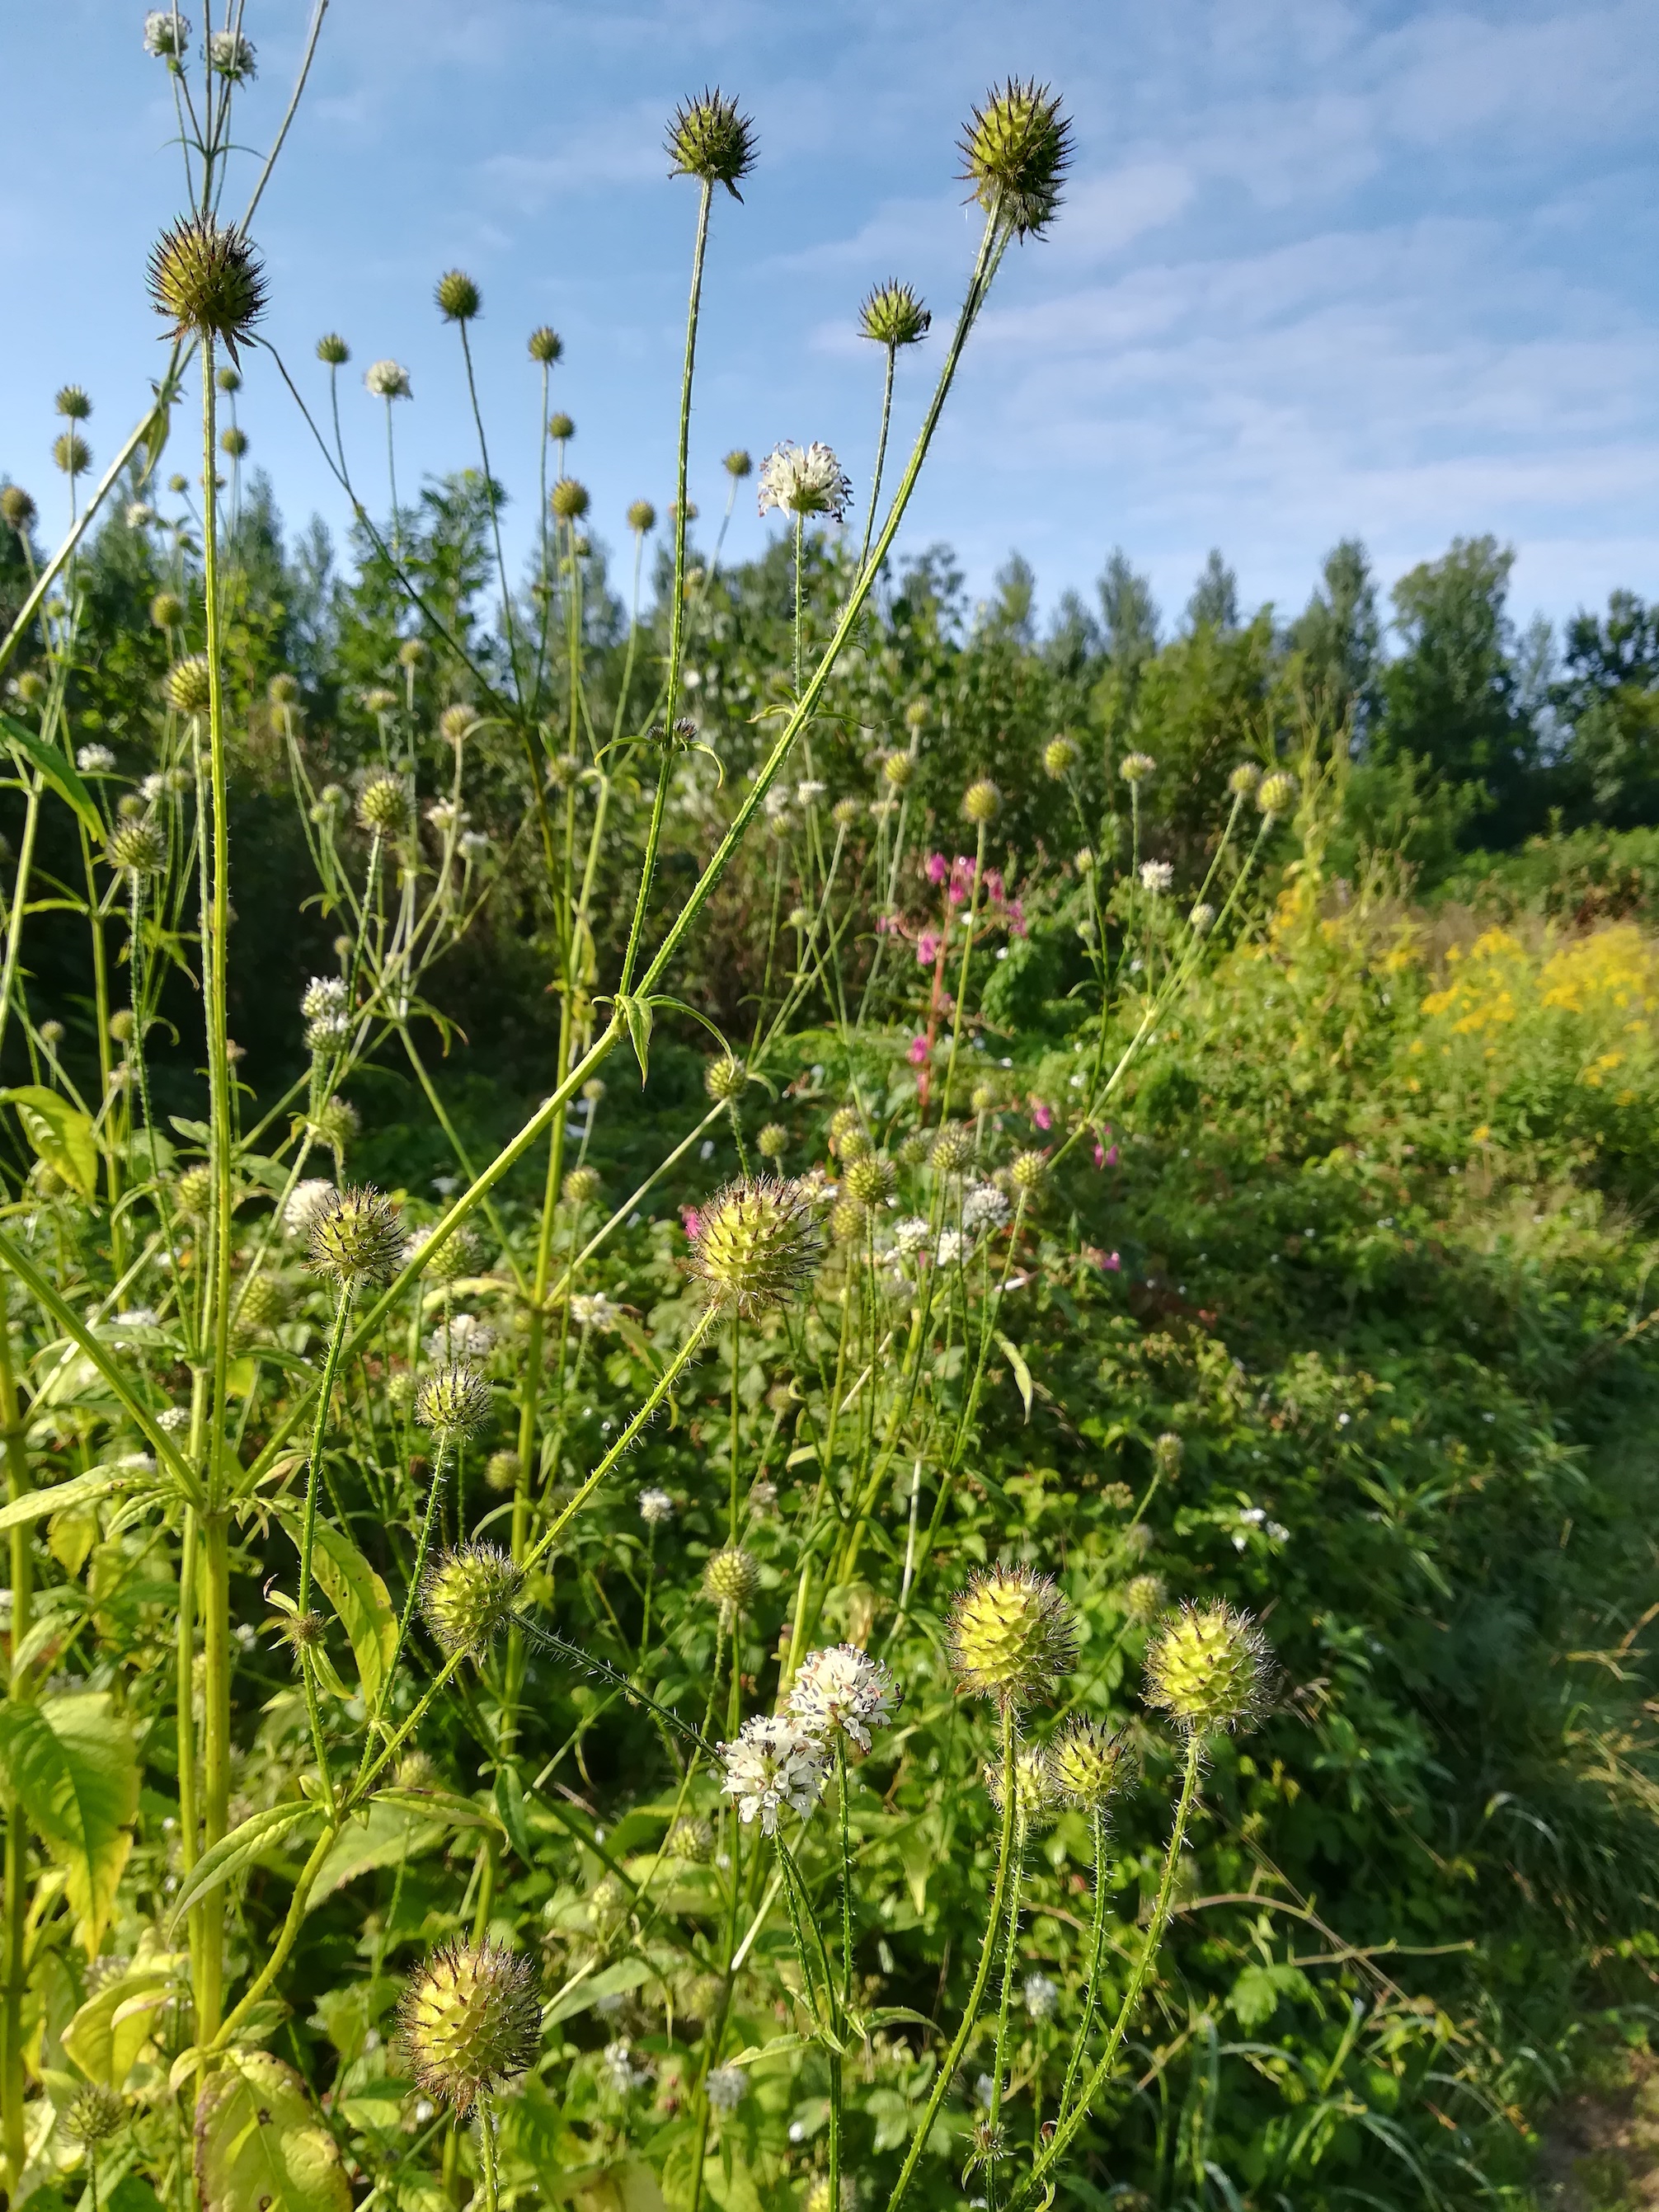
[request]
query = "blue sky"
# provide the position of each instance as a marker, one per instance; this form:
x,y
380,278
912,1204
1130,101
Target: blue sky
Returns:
x,y
1324,269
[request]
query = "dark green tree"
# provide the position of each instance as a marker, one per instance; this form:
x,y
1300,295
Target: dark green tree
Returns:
x,y
1214,602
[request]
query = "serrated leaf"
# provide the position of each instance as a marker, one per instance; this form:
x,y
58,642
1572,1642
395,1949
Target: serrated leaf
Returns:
x,y
258,1833
1022,1373
357,1595
60,1133
56,769
259,2145
71,1765
63,1497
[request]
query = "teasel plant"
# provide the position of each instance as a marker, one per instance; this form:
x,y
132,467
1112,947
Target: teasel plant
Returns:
x,y
334,1372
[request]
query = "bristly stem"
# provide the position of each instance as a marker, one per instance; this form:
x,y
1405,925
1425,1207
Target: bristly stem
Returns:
x,y
308,1531
13,2079
1097,1952
881,453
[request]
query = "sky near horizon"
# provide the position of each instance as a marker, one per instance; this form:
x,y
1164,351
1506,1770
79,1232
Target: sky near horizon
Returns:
x,y
1324,270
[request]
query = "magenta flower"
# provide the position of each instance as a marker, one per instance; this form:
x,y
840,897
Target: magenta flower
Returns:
x,y
938,867
1111,1157
1112,1263
1043,1115
1100,1156
917,1051
692,1220
927,946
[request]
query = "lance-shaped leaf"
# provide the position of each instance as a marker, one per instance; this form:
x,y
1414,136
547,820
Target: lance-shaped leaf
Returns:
x,y
259,2145
259,1833
71,1765
357,1595
56,769
60,1133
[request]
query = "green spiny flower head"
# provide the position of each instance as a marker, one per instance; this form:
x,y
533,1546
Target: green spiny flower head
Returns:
x,y
283,689
72,453
691,1838
982,802
569,500
207,281
642,518
731,1577
984,1098
1030,1172
1012,1635
261,1304
72,402
193,1192
1167,1452
870,1179
383,805
546,346
953,1149
95,2114
1244,780
1276,793
772,1142
893,316
356,1238
898,770
1036,1798
167,610
17,509
467,1597
189,685
738,463
1142,1598
1016,150
1209,1669
846,811
725,1078
336,1124
580,1187
332,350
456,1257
1135,768
847,1219
502,1471
1085,1763
561,428
846,1136
458,297
1059,757
758,1245
469,2020
711,139
913,1150
454,1401
137,848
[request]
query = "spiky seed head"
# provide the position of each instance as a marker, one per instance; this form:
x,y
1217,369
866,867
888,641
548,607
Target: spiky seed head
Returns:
x,y
913,1150
193,1193
953,1149
123,1027
1276,793
691,1837
336,1124
846,811
17,509
569,500
1085,1763
189,685
383,805
642,518
1142,1598
893,316
870,1179
469,2020
561,428
1016,150
261,1304
379,699
847,1219
95,2114
1012,1635
546,346
758,1245
207,281
731,1577
72,453
898,770
1059,757
1209,1669
580,1187
1035,1799
283,689
356,1238
738,464
467,1596
457,723
332,350
502,1471
137,848
1135,768
456,1257
984,1098
1168,1451
710,138
772,1142
304,1631
412,653
233,441
458,297
454,1401
1030,1172
167,610
846,1136
981,801
72,402
725,1078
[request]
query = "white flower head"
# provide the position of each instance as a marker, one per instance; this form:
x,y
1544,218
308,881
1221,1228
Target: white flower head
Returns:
x,y
804,480
140,515
774,1765
165,34
984,1207
950,1247
806,793
619,2065
1041,1997
94,760
726,2088
231,55
910,1235
153,787
446,816
324,995
594,1311
176,1419
842,1687
473,844
656,1506
463,1336
329,1032
388,379
1156,876
305,1203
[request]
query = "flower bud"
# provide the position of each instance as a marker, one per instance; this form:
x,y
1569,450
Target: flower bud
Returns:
x,y
1167,1453
580,1187
729,1578
1135,768
206,280
953,1149
469,2020
870,1179
383,805
502,1471
893,316
1028,1172
1016,150
738,464
72,402
710,139
96,2113
189,685
1209,1669
454,1402
725,1078
193,1192
1243,779
332,350
1276,793
568,499
642,518
17,509
981,801
1059,757
457,296
468,1596
72,453
1035,1799
137,848
772,1142
898,770
1142,1598
1012,1635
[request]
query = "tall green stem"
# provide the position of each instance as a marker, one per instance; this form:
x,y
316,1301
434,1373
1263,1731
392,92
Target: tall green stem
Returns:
x,y
12,2077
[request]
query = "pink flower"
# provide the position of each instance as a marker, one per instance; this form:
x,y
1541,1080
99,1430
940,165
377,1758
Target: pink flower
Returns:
x,y
1017,920
918,1052
692,1220
1112,1263
1041,1114
1110,1160
994,886
938,867
1100,1156
958,893
927,946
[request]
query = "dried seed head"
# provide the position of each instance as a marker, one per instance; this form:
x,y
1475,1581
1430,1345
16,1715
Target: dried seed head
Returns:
x,y
642,518
1086,1762
569,500
193,1193
738,464
981,801
383,805
1059,757
468,1596
1036,1798
953,1149
725,1078
332,350
72,402
893,316
458,297
189,685
772,1142
1276,793
453,1403
1016,150
72,453
1244,778
709,138
137,848
731,1577
1030,1172
1142,1598
355,1237
469,2020
580,1187
17,509
1135,768
758,1245
208,281
871,1179
1012,1635
167,610
1209,1669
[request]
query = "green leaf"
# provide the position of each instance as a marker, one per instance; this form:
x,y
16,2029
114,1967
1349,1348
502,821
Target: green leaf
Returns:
x,y
79,1490
1022,1372
386,1835
611,1981
110,2031
1255,1996
61,1134
56,769
258,1834
259,2147
509,1803
71,1764
636,1012
357,1595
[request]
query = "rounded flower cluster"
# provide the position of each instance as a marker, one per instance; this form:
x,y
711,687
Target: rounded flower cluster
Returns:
x,y
356,1237
711,139
471,2020
1209,1669
758,1243
454,1402
205,278
1276,793
1036,1800
724,1078
804,480
189,685
729,1578
468,1595
1016,150
774,1765
1012,1635
1086,1762
893,316
843,1688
